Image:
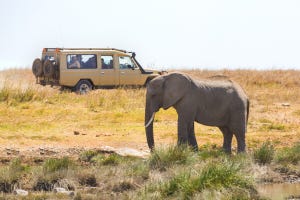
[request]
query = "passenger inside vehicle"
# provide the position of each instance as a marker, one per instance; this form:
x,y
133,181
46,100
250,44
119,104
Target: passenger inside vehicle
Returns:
x,y
74,63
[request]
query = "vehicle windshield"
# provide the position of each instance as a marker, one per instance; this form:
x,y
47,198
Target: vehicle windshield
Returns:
x,y
126,63
49,57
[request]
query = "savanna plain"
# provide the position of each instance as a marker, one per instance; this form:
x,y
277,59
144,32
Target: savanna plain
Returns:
x,y
52,138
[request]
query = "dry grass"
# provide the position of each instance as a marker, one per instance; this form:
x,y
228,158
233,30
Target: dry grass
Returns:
x,y
33,115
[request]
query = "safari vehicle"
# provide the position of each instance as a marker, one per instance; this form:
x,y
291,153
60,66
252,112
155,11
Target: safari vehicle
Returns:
x,y
83,69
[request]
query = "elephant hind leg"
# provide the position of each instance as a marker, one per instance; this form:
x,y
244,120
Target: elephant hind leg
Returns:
x,y
239,130
227,135
240,137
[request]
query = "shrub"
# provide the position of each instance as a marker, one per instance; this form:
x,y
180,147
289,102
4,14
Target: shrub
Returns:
x,y
9,176
24,95
289,154
87,156
180,183
112,159
166,157
123,186
264,154
207,152
213,176
139,169
4,94
86,178
222,175
56,164
272,126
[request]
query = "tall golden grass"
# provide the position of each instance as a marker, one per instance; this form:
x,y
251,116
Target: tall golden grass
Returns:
x,y
33,115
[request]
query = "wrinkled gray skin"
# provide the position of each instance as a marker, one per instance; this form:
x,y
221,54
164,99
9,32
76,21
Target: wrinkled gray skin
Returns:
x,y
220,103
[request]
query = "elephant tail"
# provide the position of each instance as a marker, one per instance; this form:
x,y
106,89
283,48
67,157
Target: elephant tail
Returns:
x,y
248,105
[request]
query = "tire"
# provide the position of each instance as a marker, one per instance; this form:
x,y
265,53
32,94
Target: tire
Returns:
x,y
37,67
48,69
83,87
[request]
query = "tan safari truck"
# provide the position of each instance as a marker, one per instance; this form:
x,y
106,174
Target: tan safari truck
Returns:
x,y
83,69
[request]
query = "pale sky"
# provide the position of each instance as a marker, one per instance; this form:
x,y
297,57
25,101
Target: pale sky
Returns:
x,y
204,34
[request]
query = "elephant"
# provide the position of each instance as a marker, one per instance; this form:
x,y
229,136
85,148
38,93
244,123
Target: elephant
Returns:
x,y
220,103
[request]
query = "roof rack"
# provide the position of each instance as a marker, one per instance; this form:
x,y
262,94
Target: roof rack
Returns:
x,y
111,49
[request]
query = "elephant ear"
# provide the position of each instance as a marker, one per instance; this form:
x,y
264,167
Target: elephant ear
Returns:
x,y
175,87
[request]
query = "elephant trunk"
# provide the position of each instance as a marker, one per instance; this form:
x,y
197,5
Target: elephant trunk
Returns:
x,y
149,118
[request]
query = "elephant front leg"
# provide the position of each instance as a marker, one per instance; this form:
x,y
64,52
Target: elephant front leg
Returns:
x,y
191,137
182,131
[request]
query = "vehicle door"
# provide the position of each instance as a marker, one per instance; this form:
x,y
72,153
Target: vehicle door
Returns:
x,y
108,73
130,74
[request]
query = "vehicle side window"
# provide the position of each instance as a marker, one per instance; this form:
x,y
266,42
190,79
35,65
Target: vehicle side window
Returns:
x,y
126,63
88,61
107,62
83,61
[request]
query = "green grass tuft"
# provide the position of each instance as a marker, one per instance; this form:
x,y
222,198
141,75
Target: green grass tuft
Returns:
x,y
4,94
112,159
208,151
289,154
139,169
264,154
166,157
56,164
272,126
214,176
87,156
225,174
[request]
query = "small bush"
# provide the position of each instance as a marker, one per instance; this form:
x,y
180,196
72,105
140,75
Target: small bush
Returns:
x,y
24,95
43,184
210,152
222,175
264,154
140,169
56,164
87,156
226,175
180,183
272,126
4,94
11,175
166,157
87,179
289,154
112,159
123,186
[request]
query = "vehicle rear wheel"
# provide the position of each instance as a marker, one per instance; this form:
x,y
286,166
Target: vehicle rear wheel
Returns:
x,y
37,67
48,69
83,87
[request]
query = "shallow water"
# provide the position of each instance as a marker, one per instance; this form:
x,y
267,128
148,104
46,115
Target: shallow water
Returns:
x,y
279,191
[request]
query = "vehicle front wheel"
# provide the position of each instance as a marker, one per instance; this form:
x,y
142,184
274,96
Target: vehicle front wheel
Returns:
x,y
83,87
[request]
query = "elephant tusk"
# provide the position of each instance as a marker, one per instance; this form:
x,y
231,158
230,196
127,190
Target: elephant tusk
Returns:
x,y
151,119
